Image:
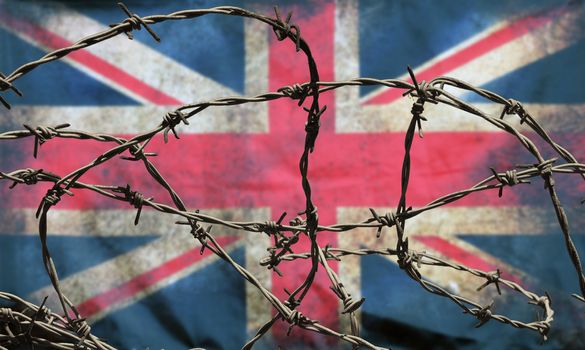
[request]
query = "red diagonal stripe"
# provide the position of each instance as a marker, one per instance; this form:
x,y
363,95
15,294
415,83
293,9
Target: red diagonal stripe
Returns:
x,y
88,60
140,283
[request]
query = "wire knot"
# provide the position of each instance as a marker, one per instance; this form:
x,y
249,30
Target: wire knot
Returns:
x,y
136,23
514,107
509,178
312,126
296,318
492,277
545,170
272,260
52,197
543,330
312,220
200,233
138,153
81,328
298,221
135,198
296,92
43,134
350,305
291,302
483,315
6,314
28,176
4,83
171,120
417,107
329,254
423,90
7,85
44,312
543,325
272,227
540,301
424,94
389,219
283,29
416,112
406,258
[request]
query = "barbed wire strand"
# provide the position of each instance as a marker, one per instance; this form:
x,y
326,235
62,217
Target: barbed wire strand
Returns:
x,y
70,330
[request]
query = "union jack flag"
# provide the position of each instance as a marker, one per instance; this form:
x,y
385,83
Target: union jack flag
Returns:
x,y
148,286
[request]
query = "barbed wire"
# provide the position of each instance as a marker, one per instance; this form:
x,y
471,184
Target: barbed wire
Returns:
x,y
23,322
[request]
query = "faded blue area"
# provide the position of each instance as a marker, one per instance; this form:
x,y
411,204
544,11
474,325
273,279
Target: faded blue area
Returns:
x,y
394,34
553,269
204,309
556,78
56,83
212,45
21,263
388,318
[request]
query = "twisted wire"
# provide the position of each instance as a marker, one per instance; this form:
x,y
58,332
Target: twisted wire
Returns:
x,y
74,330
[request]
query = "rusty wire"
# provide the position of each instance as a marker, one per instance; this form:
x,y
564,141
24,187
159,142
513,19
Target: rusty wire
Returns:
x,y
24,322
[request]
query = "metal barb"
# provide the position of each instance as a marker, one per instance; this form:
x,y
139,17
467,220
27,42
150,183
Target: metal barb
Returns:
x,y
135,23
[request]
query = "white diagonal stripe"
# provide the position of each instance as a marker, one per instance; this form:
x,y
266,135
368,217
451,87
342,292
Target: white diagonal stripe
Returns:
x,y
353,116
133,57
121,269
153,68
552,37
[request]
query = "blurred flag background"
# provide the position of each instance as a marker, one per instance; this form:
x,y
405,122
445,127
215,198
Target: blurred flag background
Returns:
x,y
147,286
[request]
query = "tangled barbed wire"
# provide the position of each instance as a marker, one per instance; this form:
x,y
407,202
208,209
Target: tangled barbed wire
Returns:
x,y
25,323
